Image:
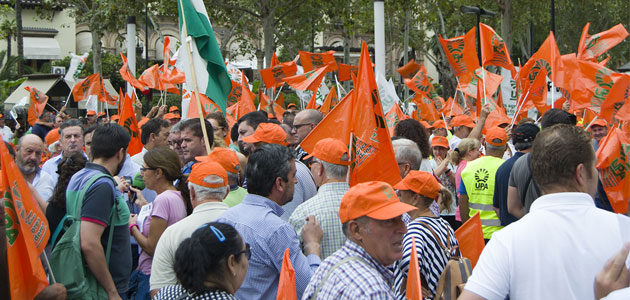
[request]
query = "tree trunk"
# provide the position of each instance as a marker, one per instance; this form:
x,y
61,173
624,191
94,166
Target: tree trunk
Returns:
x,y
506,23
20,41
96,52
268,37
8,45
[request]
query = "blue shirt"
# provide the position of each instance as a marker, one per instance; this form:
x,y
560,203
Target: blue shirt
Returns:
x,y
499,199
257,219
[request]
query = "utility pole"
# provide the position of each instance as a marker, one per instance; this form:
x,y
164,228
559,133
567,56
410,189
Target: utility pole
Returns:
x,y
379,35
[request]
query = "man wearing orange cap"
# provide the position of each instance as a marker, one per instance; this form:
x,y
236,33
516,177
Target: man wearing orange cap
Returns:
x,y
229,161
271,176
371,216
208,184
114,119
91,117
330,169
599,129
172,118
463,125
266,133
477,183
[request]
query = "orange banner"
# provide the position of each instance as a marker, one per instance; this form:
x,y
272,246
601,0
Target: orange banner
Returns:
x,y
307,81
346,71
414,287
613,157
494,52
286,284
313,61
274,76
470,238
461,52
412,67
129,122
592,46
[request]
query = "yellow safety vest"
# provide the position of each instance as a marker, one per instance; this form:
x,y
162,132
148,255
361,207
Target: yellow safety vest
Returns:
x,y
478,178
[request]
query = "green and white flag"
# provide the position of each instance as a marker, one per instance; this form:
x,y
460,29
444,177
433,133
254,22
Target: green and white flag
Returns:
x,y
212,77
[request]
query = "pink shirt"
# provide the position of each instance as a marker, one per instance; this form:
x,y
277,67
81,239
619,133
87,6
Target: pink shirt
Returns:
x,y
169,206
458,179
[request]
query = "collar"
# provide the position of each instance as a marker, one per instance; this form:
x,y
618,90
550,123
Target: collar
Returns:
x,y
211,205
234,187
332,186
93,166
549,201
355,250
257,200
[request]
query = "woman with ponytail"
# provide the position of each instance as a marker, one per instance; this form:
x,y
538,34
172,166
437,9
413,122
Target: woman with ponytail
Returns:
x,y
467,150
211,264
434,237
161,168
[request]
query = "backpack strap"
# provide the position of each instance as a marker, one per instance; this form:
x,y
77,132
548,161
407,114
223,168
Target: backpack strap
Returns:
x,y
449,250
335,266
58,229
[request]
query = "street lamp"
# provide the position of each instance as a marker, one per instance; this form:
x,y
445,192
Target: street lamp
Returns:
x,y
480,12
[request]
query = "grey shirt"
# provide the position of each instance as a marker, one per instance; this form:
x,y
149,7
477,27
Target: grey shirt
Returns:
x,y
519,179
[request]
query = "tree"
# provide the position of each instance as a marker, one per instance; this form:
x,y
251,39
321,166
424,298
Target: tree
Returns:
x,y
9,79
20,41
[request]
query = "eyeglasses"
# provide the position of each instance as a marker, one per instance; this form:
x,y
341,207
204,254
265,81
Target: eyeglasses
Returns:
x,y
297,126
247,251
146,169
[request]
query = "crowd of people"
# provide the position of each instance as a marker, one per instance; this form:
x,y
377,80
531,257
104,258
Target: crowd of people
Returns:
x,y
179,220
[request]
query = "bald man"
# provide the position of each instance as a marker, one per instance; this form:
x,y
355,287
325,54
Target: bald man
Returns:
x,y
303,124
28,158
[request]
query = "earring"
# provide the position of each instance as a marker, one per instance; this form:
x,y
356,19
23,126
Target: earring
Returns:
x,y
234,274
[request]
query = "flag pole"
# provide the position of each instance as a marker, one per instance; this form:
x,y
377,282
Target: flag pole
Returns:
x,y
275,98
459,88
338,89
519,109
45,261
589,124
187,41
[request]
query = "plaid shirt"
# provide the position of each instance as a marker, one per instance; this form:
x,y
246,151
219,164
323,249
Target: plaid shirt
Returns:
x,y
325,207
355,279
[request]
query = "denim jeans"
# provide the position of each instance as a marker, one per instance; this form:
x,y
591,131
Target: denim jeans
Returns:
x,y
139,288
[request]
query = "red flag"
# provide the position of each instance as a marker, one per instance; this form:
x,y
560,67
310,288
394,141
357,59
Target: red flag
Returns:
x,y
619,94
286,284
274,76
346,71
613,157
414,287
592,46
38,102
470,238
393,117
128,77
493,49
461,52
313,61
26,231
412,67
330,102
307,81
129,122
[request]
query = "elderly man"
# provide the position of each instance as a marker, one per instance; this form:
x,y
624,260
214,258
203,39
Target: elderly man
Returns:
x,y
330,169
208,184
271,174
154,134
175,142
556,251
303,124
477,184
371,216
71,132
193,143
408,156
229,161
28,158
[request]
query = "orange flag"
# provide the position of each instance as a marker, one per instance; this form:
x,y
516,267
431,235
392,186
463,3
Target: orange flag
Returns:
x,y
330,102
207,105
286,284
274,76
494,52
336,124
26,231
414,287
128,120
592,46
346,71
452,108
265,104
274,59
471,82
245,102
167,75
420,83
613,157
547,57
426,110
412,67
461,52
590,84
91,86
38,102
470,238
128,77
393,117
151,78
619,94
623,114
538,93
307,81
313,61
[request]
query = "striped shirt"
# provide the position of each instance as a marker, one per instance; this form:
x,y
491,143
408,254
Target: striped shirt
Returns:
x,y
431,257
325,207
364,278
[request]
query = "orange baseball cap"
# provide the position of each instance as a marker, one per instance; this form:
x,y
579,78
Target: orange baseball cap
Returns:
x,y
426,125
440,124
173,108
331,151
599,122
375,199
494,134
420,182
90,113
439,141
101,114
462,120
291,105
1,116
114,118
202,170
169,116
223,156
268,133
52,136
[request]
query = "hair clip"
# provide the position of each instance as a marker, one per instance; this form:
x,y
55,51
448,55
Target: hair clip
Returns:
x,y
218,234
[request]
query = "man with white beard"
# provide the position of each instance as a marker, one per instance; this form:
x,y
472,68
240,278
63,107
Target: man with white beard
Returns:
x,y
28,159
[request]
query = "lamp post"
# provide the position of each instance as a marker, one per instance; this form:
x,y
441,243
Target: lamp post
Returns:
x,y
480,12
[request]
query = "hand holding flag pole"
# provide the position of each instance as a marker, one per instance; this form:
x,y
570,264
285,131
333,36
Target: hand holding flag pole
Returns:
x,y
188,41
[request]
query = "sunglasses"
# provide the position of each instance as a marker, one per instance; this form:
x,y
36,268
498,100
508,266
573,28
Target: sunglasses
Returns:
x,y
247,251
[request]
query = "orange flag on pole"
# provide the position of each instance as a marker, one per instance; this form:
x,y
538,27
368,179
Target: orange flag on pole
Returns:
x,y
473,81
330,101
129,122
272,109
313,61
592,46
470,238
420,83
91,86
286,284
412,67
452,108
128,77
336,124
494,52
274,76
207,105
393,117
547,57
307,81
461,52
346,71
426,110
613,157
538,93
414,286
38,102
27,231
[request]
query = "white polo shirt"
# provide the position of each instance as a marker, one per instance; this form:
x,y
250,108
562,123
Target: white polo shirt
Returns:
x,y
554,252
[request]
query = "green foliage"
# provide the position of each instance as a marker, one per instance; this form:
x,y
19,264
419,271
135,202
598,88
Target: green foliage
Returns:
x,y
9,79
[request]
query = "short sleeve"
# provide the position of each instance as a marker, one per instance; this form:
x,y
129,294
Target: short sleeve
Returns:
x,y
462,188
161,206
491,278
98,202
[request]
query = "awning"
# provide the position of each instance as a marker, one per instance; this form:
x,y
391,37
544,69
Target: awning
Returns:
x,y
41,48
41,84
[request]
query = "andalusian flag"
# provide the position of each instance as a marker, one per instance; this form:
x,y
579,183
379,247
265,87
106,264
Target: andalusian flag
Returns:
x,y
211,74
